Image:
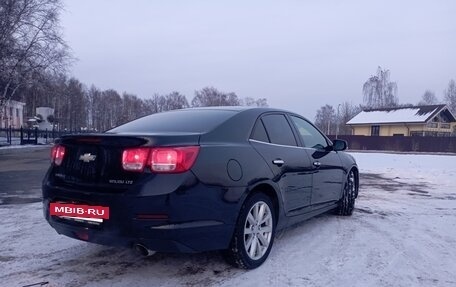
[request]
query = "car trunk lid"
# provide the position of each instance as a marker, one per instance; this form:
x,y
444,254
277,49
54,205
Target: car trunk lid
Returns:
x,y
96,160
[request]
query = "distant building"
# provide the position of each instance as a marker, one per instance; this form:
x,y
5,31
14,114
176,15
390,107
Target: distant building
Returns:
x,y
12,115
432,120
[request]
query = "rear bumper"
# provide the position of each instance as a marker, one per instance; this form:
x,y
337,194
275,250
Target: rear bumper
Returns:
x,y
189,239
189,219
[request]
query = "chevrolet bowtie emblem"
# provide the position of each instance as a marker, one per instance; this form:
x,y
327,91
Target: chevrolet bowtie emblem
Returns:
x,y
87,157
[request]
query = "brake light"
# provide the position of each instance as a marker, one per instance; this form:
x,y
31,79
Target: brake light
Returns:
x,y
135,159
57,154
160,160
173,159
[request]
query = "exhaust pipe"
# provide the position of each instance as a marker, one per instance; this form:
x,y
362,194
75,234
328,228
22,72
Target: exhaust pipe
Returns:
x,y
143,250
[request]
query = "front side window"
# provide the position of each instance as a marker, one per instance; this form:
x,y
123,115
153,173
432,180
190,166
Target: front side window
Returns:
x,y
278,130
310,136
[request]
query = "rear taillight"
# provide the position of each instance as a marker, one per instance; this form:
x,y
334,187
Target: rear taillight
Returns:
x,y
135,159
160,160
57,154
173,159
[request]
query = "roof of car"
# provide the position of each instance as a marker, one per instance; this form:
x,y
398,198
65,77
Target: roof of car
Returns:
x,y
236,108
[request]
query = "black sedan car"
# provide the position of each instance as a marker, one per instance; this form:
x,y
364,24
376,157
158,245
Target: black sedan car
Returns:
x,y
198,179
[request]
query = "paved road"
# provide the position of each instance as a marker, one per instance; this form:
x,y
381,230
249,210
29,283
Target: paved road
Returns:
x,y
21,173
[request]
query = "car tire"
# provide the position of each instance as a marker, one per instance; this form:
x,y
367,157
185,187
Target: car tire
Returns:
x,y
254,233
347,202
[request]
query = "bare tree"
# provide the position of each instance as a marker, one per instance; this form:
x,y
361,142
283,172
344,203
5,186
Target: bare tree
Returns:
x,y
159,103
450,96
379,91
112,103
428,98
249,102
132,108
73,108
325,119
346,111
210,96
261,102
93,94
107,109
174,101
155,104
30,43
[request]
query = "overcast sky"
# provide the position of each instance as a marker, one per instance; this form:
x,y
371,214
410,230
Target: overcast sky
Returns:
x,y
299,55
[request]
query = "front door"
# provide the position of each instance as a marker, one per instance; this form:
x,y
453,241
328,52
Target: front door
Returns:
x,y
327,177
273,138
328,174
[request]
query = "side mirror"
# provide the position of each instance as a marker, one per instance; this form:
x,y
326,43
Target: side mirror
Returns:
x,y
339,145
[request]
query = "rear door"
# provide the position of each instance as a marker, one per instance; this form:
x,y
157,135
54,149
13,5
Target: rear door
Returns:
x,y
274,139
328,172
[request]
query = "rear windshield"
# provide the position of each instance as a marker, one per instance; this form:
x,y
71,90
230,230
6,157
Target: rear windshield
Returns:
x,y
185,121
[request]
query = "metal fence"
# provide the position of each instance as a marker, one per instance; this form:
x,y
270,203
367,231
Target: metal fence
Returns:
x,y
400,143
22,136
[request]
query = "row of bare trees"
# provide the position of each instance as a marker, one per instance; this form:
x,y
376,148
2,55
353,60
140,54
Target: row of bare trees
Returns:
x,y
77,107
378,92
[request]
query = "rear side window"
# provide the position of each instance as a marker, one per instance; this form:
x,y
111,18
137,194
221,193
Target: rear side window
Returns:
x,y
259,132
278,129
188,121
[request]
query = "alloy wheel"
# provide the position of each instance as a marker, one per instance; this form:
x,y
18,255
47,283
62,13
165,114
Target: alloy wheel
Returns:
x,y
258,230
351,185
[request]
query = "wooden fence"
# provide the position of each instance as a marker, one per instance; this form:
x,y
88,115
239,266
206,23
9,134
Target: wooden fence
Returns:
x,y
400,143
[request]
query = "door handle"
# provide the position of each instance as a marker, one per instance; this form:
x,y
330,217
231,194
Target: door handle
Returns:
x,y
317,164
278,162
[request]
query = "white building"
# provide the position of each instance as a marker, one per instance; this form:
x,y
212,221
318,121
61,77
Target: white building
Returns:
x,y
12,115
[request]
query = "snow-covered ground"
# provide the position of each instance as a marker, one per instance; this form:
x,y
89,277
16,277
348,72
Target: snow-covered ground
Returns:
x,y
403,233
